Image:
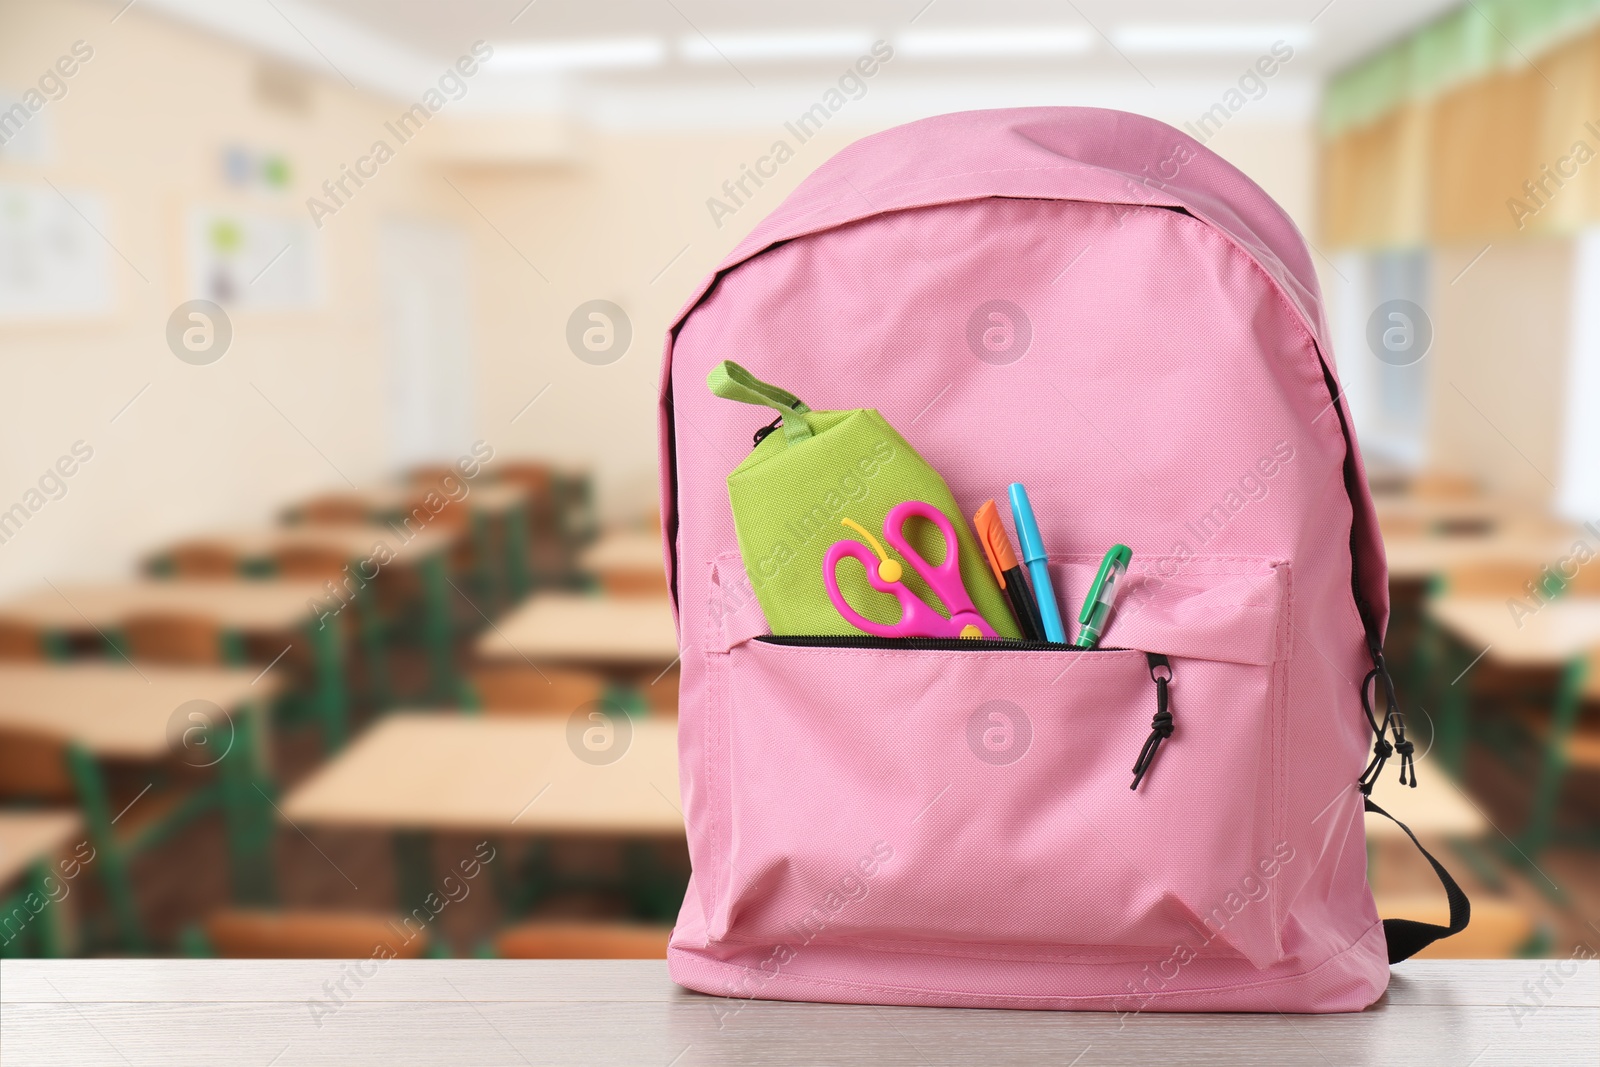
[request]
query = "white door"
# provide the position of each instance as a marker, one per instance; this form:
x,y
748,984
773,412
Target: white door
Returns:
x,y
426,324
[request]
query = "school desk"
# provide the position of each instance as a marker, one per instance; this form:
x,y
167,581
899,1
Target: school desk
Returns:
x,y
31,844
627,551
1435,808
627,562
256,546
417,773
104,711
63,1013
371,549
1434,514
573,628
1562,635
486,503
239,606
1417,558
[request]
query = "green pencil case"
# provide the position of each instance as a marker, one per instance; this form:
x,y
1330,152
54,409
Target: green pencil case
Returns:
x,y
814,470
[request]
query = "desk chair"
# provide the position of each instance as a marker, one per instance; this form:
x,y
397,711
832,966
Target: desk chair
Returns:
x,y
538,479
521,689
318,564
572,493
1567,743
472,556
562,514
36,768
199,559
432,473
1556,730
661,693
19,641
1441,661
651,583
178,639
334,508
1443,485
240,933
566,940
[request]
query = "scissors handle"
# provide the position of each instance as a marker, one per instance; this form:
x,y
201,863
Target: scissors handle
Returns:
x,y
944,579
917,618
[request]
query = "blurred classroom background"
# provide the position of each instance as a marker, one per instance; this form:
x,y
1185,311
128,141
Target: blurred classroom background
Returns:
x,y
332,617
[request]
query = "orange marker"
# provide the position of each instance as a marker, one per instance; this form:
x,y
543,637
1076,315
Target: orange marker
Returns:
x,y
1007,571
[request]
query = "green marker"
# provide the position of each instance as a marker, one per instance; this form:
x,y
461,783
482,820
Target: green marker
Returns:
x,y
1097,605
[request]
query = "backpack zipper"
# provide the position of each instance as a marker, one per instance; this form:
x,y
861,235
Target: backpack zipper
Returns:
x,y
1382,749
927,644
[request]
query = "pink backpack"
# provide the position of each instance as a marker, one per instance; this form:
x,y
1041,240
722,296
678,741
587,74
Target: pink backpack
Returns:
x,y
1093,304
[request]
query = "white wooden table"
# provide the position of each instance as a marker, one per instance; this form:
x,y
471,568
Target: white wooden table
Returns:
x,y
1445,1013
575,628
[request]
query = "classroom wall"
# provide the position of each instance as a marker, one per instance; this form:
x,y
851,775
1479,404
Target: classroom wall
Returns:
x,y
1499,363
143,123
299,402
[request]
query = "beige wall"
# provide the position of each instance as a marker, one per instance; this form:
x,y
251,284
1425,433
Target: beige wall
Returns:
x,y
144,123
1499,363
608,227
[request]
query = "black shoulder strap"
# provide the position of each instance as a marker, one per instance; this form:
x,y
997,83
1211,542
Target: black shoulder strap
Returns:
x,y
1407,937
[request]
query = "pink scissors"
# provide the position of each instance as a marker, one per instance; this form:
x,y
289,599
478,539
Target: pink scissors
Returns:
x,y
918,618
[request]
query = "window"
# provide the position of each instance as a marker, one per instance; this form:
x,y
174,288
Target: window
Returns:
x,y
1383,336
1578,484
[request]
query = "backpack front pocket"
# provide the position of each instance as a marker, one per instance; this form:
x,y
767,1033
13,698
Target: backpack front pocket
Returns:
x,y
974,797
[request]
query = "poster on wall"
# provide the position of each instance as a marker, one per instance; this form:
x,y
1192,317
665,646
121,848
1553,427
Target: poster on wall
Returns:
x,y
52,262
252,261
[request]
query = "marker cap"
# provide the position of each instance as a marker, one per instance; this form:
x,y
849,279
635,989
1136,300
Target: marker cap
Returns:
x,y
1027,527
996,545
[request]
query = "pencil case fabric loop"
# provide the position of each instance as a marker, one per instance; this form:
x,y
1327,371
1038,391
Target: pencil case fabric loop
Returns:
x,y
730,381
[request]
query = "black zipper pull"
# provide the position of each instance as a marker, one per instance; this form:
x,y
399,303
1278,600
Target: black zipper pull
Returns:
x,y
1161,725
761,434
1382,749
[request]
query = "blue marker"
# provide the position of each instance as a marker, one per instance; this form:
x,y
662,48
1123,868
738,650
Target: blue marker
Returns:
x,y
1033,555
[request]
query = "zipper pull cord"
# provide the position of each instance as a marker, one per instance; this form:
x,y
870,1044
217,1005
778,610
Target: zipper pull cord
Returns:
x,y
1402,744
1382,749
1161,724
761,434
